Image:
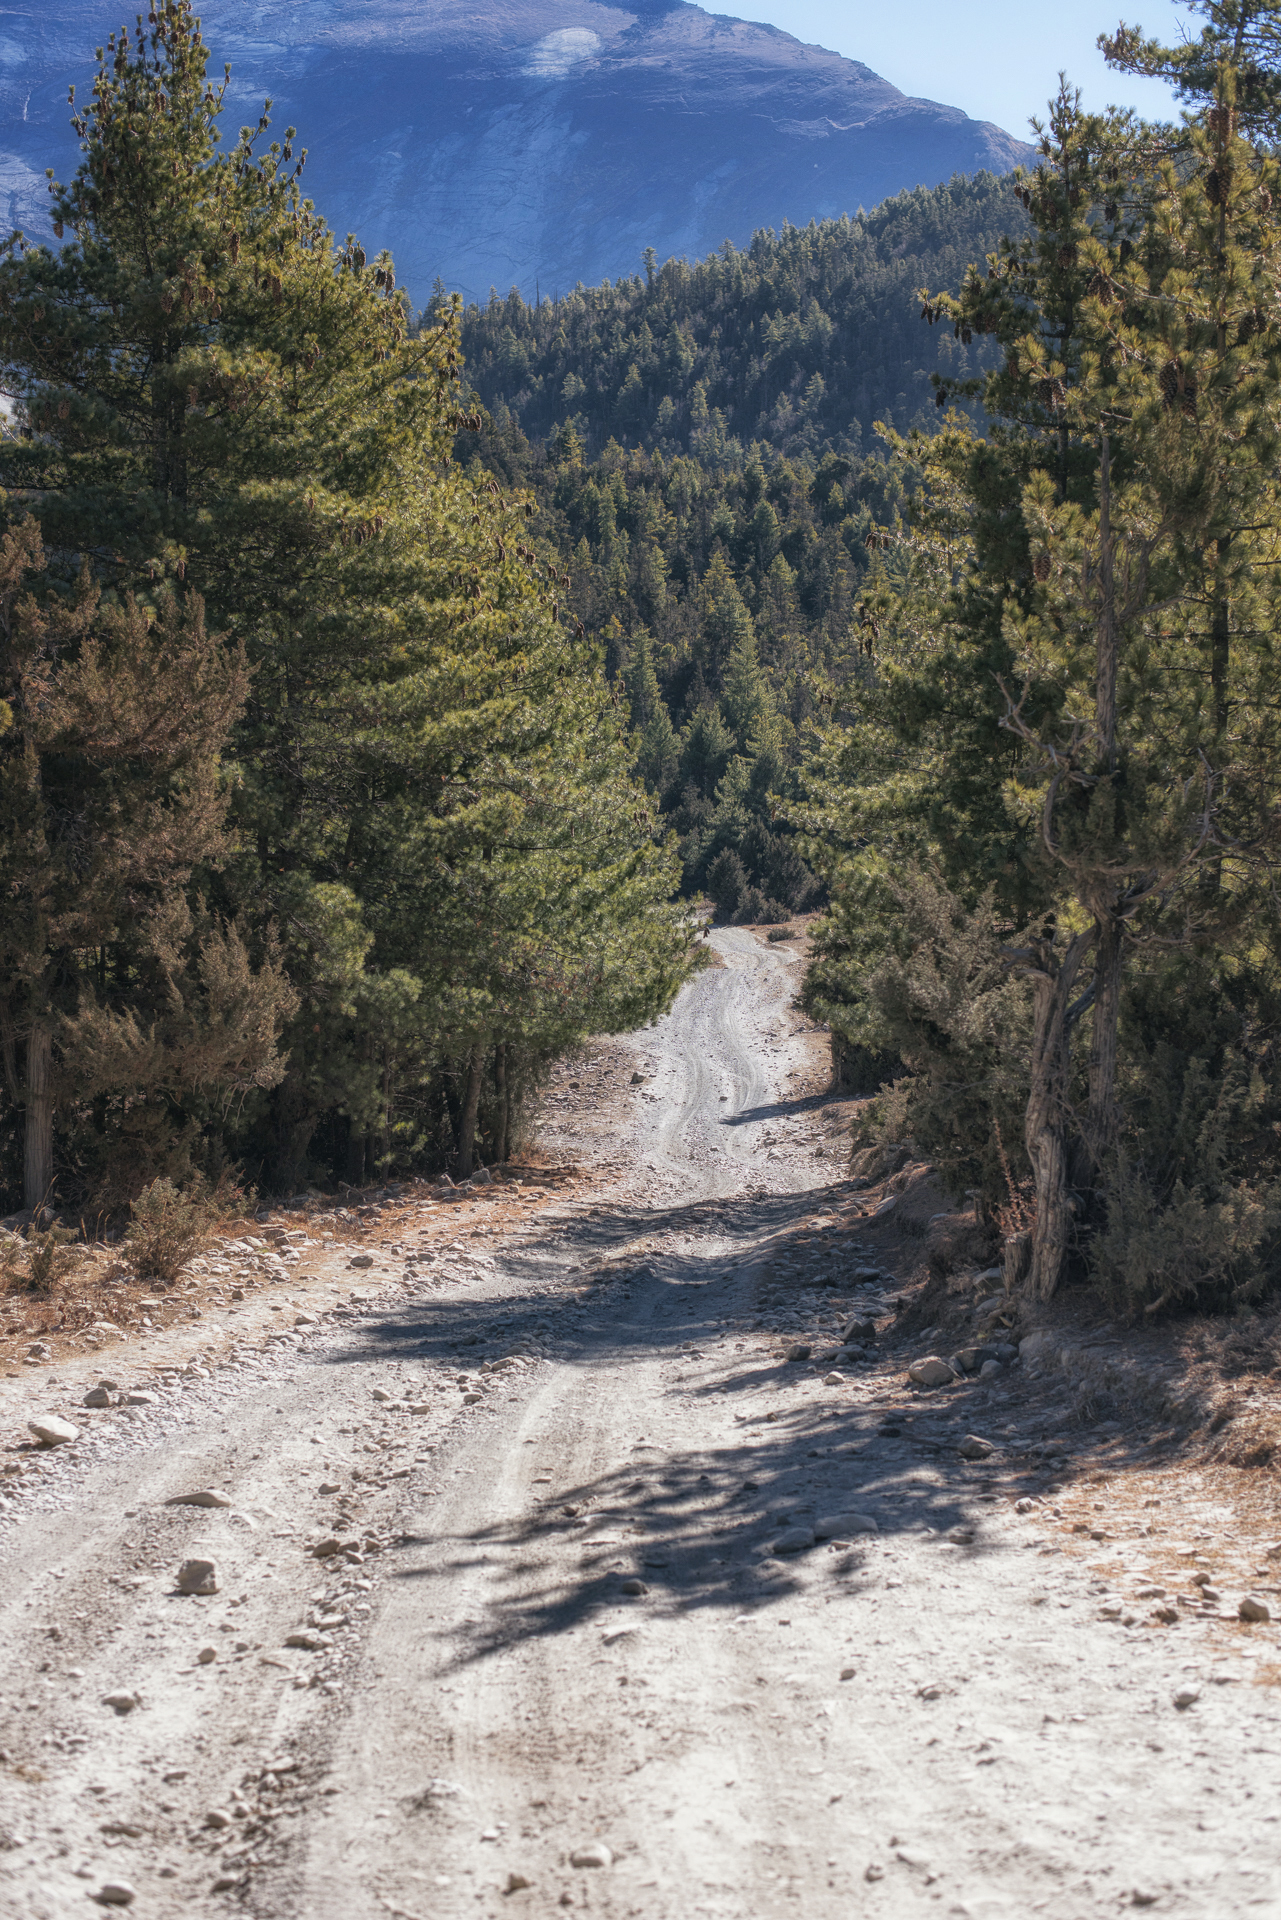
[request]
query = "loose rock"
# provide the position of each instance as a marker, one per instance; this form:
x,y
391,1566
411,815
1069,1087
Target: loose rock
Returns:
x,y
1187,1697
842,1526
53,1431
973,1447
833,1379
1253,1609
96,1397
197,1576
794,1540
207,1656
120,1703
930,1372
207,1497
597,1855
798,1350
632,1587
361,1260
116,1893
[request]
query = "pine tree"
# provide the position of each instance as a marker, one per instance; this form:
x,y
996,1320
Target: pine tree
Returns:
x,y
224,395
116,986
1112,620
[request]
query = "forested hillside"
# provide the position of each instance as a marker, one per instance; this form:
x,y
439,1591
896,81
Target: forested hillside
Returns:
x,y
802,341
729,606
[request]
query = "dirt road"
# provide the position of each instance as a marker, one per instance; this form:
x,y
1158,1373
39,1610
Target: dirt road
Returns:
x,y
618,1609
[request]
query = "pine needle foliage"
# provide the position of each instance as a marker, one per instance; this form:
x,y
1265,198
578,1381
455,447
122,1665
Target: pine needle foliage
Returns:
x,y
433,809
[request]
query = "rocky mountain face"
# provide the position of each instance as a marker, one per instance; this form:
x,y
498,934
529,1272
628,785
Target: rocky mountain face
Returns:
x,y
522,142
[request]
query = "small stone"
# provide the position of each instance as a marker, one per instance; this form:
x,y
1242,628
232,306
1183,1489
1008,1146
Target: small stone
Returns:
x,y
308,1640
206,1497
969,1359
930,1372
482,1178
207,1656
638,1079
873,1872
843,1526
53,1431
516,1882
794,1540
973,1447
833,1379
1186,1697
989,1369
634,1588
1036,1346
361,1260
327,1548
96,1397
330,1486
197,1576
470,1398
381,1393
218,1818
1253,1609
798,1350
597,1855
139,1398
857,1332
120,1703
1026,1506
849,1673
960,1536
116,1893
306,1320
1167,1615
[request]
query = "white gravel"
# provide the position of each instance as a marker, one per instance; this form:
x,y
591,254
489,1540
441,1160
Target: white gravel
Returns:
x,y
662,1603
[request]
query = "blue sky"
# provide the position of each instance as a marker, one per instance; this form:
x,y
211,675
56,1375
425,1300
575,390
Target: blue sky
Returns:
x,y
998,60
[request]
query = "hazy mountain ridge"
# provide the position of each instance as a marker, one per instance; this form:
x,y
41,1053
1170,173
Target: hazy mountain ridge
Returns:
x,y
521,142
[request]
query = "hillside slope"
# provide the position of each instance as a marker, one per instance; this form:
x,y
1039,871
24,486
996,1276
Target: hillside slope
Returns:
x,y
513,142
800,342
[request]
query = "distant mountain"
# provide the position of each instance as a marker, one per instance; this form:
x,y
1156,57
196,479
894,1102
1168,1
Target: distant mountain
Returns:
x,y
520,141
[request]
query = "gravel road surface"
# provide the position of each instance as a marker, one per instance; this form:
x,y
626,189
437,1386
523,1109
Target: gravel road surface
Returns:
x,y
615,1608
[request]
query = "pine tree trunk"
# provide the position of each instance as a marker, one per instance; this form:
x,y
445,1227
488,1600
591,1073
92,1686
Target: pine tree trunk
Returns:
x,y
37,1139
1103,1121
500,1081
471,1108
1045,1125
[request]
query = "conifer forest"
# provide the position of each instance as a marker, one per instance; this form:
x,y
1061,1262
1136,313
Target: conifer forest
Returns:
x,y
385,689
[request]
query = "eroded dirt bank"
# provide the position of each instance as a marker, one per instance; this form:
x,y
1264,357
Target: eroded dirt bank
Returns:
x,y
616,1607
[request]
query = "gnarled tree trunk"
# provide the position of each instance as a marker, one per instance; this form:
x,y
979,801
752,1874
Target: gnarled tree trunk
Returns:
x,y
1045,1128
501,1147
471,1108
37,1130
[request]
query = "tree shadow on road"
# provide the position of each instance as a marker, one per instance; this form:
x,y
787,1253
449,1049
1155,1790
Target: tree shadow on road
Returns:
x,y
693,1524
